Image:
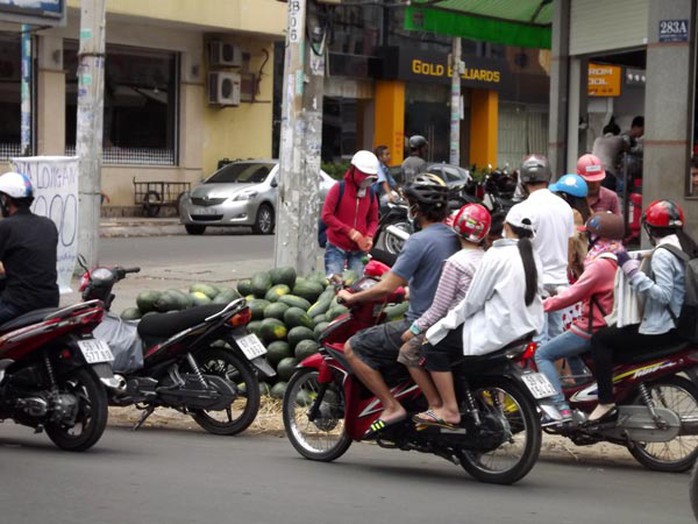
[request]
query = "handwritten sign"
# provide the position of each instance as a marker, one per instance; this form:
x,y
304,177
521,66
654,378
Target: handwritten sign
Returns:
x,y
55,181
603,80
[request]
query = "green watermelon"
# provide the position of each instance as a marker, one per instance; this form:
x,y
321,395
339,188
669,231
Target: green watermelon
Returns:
x,y
304,349
320,319
349,277
171,300
299,333
396,311
308,290
244,287
295,301
335,311
319,328
286,368
278,390
260,282
131,313
254,327
226,295
275,310
264,389
319,278
146,300
200,298
320,307
277,351
295,316
207,289
283,275
277,291
272,329
257,307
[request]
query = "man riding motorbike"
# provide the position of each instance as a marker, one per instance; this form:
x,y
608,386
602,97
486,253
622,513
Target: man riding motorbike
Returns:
x,y
28,244
419,265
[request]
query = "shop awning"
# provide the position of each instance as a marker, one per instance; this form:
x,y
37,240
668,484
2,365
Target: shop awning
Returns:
x,y
519,23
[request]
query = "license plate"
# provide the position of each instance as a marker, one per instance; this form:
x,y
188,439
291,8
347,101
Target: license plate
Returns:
x,y
203,211
538,385
251,346
95,351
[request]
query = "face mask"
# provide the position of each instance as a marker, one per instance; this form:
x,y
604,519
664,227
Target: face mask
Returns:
x,y
366,183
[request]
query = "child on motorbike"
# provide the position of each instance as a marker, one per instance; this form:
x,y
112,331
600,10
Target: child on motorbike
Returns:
x,y
595,289
663,291
471,223
503,304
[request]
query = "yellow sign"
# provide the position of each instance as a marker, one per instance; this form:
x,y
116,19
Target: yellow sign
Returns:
x,y
604,80
420,67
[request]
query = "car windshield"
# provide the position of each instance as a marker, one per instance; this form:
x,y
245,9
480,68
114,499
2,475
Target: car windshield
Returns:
x,y
241,173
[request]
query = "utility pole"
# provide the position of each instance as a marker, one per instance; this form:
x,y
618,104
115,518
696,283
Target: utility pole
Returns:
x,y
90,115
301,140
454,150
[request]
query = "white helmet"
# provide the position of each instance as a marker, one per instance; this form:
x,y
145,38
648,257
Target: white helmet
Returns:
x,y
366,162
16,185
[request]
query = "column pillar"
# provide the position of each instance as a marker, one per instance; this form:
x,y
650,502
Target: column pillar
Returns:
x,y
559,86
484,110
389,117
50,104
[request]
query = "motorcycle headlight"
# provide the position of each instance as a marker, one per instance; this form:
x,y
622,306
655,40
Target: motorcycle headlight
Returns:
x,y
245,195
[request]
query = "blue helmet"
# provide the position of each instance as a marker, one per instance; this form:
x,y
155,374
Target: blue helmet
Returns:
x,y
572,184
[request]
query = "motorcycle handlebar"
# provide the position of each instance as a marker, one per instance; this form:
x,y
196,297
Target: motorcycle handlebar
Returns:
x,y
131,270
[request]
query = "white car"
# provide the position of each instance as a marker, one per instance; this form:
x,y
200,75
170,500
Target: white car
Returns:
x,y
241,193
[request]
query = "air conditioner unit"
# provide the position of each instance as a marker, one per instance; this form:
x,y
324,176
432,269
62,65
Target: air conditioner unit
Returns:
x,y
224,88
224,54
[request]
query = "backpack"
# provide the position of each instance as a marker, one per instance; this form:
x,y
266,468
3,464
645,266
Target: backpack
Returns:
x,y
687,321
322,227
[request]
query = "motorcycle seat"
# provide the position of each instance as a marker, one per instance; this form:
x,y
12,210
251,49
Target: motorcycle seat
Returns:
x,y
27,319
634,356
495,356
164,325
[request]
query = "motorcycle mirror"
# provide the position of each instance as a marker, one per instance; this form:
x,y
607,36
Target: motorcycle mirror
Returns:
x,y
82,261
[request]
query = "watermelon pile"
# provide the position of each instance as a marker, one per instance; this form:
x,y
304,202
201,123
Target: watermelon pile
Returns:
x,y
288,313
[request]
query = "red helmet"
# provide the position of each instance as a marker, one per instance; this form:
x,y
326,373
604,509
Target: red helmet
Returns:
x,y
472,222
663,213
590,168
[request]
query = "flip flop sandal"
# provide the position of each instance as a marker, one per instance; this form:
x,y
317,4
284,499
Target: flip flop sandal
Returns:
x,y
431,419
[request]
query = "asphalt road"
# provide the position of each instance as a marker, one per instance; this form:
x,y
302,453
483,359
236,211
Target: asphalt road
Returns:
x,y
167,476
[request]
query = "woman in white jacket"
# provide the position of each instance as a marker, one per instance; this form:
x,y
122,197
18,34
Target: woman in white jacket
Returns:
x,y
502,305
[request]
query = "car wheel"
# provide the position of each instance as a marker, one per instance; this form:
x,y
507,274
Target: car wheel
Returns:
x,y
264,223
194,229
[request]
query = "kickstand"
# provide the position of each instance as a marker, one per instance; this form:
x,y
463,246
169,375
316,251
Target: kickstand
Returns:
x,y
146,413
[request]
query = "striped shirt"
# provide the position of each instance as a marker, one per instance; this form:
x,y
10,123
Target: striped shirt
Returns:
x,y
456,275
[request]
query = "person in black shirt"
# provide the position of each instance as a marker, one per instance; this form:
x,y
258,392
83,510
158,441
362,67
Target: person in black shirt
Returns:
x,y
28,244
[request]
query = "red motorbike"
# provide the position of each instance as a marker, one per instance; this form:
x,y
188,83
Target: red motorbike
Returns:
x,y
53,373
658,406
326,407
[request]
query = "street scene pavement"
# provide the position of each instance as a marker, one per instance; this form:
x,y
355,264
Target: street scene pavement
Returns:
x,y
178,477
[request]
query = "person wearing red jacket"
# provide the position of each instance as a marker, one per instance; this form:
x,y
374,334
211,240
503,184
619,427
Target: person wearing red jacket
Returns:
x,y
595,290
351,222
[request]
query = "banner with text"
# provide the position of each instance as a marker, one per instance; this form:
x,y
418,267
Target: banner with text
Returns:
x,y
55,181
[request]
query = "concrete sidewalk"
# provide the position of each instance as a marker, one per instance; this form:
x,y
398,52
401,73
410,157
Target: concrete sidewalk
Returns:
x,y
139,227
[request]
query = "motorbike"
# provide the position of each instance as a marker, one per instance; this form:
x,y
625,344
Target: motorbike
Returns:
x,y
54,374
498,191
658,406
201,361
326,407
391,224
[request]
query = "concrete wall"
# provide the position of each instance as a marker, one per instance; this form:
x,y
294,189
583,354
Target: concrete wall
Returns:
x,y
669,94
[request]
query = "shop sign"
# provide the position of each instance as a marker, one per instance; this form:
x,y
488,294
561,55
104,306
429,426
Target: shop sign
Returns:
x,y
673,30
603,80
40,12
483,73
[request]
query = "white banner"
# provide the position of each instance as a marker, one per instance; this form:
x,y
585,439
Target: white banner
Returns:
x,y
55,181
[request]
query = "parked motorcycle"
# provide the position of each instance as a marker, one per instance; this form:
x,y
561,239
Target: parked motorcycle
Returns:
x,y
658,407
393,219
201,361
326,407
53,374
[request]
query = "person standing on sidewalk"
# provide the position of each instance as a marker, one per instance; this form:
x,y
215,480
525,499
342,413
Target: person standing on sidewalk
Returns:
x,y
351,215
414,164
553,223
600,198
609,148
384,185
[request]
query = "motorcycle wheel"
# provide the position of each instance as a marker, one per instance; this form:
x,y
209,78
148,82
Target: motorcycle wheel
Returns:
x,y
93,411
393,244
681,396
324,439
515,457
237,416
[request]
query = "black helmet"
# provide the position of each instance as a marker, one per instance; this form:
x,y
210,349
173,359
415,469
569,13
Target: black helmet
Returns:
x,y
417,141
535,169
427,190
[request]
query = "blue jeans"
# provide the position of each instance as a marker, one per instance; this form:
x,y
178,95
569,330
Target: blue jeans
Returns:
x,y
8,312
336,258
568,346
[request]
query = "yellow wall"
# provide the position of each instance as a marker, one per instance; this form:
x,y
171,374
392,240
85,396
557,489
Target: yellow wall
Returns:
x,y
483,127
257,16
389,118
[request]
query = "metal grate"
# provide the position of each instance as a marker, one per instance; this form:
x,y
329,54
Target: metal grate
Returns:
x,y
10,150
133,155
198,201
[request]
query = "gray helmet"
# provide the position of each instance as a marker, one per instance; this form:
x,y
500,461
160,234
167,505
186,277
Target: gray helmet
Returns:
x,y
417,141
535,169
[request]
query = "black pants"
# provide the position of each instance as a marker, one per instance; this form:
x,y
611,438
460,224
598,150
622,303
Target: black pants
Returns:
x,y
613,341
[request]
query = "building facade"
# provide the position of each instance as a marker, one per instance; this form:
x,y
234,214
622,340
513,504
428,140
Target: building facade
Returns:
x,y
186,84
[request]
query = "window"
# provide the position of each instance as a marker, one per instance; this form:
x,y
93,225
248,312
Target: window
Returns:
x,y
241,173
10,96
140,105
